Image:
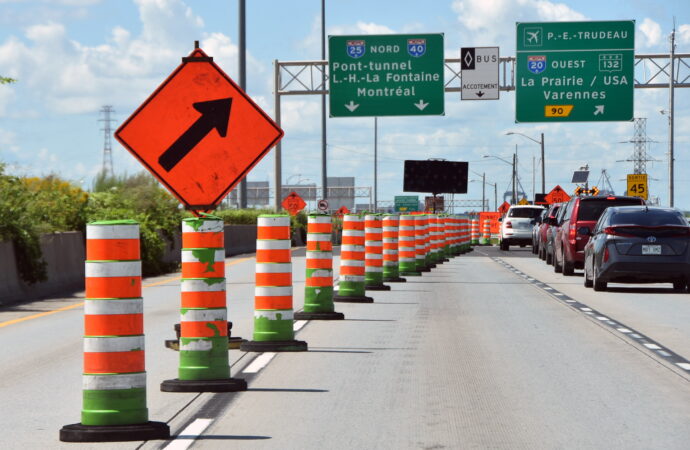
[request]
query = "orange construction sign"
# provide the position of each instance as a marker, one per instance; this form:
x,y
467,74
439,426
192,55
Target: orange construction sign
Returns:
x,y
199,134
557,195
293,203
503,208
342,211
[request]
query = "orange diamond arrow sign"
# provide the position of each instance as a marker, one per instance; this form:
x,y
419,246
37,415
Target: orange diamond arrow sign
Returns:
x,y
293,203
199,134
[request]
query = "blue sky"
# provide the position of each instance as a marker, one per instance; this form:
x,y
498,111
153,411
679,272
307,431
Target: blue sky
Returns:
x,y
73,56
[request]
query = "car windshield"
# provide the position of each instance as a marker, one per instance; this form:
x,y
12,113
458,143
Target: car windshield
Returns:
x,y
529,213
647,218
593,209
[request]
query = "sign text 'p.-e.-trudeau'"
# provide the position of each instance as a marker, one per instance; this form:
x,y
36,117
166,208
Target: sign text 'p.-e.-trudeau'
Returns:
x,y
386,75
575,71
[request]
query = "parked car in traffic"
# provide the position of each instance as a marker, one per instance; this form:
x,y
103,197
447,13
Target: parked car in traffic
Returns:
x,y
535,231
516,225
552,232
637,244
568,246
542,236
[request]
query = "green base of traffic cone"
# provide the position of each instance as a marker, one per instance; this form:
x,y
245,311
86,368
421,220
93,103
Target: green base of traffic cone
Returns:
x,y
394,280
377,287
303,315
411,274
224,385
274,346
77,432
352,299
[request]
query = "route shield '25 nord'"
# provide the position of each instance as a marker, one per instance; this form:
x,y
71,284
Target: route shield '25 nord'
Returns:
x,y
575,71
386,75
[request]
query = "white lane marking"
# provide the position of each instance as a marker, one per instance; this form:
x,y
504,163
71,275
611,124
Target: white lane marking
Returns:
x,y
548,288
589,313
685,366
259,362
558,293
652,346
298,325
624,330
663,353
570,301
586,309
190,433
636,336
602,318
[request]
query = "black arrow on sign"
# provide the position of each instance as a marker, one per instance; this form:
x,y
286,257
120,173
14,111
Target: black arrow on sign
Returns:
x,y
214,114
480,94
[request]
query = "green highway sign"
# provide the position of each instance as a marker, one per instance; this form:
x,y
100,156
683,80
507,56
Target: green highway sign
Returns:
x,y
575,71
386,75
406,203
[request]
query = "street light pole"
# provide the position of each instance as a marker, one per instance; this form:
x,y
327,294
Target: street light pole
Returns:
x,y
514,164
543,174
483,191
543,159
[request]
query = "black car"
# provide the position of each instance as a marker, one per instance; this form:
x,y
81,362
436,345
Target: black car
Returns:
x,y
638,244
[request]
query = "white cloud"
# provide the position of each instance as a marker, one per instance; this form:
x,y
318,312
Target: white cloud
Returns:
x,y
650,33
683,34
492,22
70,77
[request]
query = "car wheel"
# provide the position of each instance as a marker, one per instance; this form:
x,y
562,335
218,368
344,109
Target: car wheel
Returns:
x,y
588,281
542,253
535,249
597,284
504,246
680,285
568,267
549,258
556,267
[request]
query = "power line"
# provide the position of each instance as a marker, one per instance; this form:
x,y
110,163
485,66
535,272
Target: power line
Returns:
x,y
107,168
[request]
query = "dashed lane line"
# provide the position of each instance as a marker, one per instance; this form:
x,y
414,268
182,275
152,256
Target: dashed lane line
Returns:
x,y
655,349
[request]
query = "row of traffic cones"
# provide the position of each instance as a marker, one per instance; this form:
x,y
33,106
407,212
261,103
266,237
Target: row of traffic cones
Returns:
x,y
376,249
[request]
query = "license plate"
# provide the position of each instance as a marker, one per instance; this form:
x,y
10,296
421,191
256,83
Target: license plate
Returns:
x,y
651,249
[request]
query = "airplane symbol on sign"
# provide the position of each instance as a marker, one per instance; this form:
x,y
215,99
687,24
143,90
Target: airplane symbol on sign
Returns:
x,y
533,36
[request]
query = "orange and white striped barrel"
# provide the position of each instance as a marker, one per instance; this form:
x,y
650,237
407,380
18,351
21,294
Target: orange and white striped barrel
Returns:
x,y
114,373
391,223
351,280
407,247
373,258
421,229
318,285
475,232
486,232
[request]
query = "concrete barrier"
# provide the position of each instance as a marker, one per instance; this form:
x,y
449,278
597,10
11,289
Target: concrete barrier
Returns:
x,y
64,254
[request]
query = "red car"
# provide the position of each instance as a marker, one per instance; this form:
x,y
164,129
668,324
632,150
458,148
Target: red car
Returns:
x,y
568,246
542,234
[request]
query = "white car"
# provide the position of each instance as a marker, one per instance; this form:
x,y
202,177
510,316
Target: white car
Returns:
x,y
516,225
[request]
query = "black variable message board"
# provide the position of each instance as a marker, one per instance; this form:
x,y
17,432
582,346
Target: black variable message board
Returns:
x,y
436,177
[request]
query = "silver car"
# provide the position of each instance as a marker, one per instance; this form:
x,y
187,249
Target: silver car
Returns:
x,y
516,225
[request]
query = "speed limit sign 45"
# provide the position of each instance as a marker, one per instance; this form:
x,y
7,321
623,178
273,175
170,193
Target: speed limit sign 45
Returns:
x,y
637,185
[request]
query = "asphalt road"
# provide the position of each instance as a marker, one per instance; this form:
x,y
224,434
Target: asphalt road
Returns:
x,y
477,353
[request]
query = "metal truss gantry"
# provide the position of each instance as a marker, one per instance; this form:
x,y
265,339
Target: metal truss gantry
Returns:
x,y
310,78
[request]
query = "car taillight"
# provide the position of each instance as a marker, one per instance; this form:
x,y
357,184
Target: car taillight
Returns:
x,y
614,231
572,232
606,254
509,225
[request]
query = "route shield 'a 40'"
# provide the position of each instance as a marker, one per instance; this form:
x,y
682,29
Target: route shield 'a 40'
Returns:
x,y
575,71
386,75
